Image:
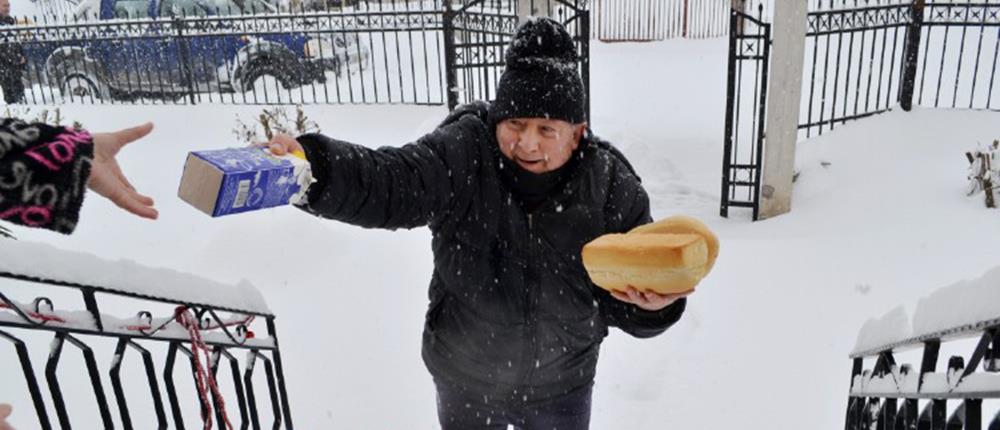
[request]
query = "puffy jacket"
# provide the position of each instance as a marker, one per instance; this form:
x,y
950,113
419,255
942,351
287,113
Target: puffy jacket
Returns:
x,y
512,311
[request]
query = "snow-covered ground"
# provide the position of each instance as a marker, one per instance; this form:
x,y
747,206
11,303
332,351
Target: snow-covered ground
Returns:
x,y
879,220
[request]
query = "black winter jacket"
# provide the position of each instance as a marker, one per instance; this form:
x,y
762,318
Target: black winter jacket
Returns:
x,y
512,311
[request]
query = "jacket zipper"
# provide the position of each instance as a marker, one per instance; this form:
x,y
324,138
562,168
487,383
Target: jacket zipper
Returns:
x,y
531,285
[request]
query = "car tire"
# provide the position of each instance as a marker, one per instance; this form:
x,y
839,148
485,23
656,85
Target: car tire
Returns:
x,y
83,87
262,68
75,75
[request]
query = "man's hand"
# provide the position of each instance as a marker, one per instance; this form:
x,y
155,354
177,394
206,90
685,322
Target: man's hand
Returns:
x,y
5,411
282,144
649,300
107,179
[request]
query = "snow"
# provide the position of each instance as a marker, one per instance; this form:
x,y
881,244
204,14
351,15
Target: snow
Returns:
x,y
905,385
162,328
879,219
45,261
978,299
980,382
74,319
893,327
894,382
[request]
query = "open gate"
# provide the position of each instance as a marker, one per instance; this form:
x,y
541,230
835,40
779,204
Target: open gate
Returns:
x,y
477,33
746,101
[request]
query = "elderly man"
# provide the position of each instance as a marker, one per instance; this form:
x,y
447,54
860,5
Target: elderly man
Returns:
x,y
511,192
12,61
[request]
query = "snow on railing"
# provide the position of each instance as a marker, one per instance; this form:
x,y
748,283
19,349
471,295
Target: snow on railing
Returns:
x,y
888,394
53,265
202,319
963,309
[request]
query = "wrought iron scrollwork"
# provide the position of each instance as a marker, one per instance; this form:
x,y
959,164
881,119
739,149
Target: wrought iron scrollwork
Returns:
x,y
224,333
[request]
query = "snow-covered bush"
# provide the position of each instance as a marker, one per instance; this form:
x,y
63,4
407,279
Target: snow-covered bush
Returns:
x,y
274,121
51,117
984,172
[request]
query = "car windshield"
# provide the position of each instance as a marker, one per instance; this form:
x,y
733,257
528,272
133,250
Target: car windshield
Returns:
x,y
131,9
198,7
259,6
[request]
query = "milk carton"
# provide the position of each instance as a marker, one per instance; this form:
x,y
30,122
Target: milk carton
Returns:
x,y
234,180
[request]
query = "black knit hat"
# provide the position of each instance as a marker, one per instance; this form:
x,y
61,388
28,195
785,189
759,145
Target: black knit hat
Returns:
x,y
541,78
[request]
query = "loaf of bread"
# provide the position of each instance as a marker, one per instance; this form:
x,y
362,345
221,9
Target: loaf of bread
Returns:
x,y
685,224
669,256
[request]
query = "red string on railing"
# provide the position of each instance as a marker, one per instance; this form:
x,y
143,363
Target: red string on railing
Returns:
x,y
35,315
205,380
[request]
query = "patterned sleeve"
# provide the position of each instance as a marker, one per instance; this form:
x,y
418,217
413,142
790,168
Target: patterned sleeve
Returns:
x,y
43,174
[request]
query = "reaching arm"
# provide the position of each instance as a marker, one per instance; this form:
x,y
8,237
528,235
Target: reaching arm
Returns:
x,y
389,187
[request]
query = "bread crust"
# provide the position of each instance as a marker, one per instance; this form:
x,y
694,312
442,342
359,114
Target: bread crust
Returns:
x,y
684,224
667,257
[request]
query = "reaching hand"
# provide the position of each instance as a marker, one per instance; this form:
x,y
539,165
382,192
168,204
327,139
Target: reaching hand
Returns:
x,y
107,179
283,144
5,411
649,300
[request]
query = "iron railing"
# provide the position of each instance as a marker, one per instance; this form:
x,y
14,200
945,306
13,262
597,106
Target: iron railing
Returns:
x,y
854,57
863,58
183,52
968,36
154,336
891,395
424,52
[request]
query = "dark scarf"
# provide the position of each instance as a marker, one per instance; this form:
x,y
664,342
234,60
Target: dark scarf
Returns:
x,y
534,189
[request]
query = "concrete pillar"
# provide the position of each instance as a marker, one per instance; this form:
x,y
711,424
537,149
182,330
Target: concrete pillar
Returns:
x,y
783,101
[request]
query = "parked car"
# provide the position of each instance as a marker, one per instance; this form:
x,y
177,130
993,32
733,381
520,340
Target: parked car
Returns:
x,y
136,49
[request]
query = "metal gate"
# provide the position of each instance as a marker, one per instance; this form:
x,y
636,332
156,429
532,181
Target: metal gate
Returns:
x,y
476,36
746,101
477,33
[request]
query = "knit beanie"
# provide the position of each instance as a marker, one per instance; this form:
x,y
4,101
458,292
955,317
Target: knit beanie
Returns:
x,y
541,78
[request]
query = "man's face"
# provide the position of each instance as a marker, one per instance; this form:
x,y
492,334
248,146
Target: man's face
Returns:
x,y
538,145
4,7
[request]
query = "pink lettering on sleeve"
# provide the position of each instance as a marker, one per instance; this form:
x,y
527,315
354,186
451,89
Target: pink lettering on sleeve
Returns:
x,y
60,152
31,216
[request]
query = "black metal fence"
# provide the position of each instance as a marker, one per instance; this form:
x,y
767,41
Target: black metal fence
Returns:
x,y
184,52
889,395
275,52
854,60
968,36
865,57
125,352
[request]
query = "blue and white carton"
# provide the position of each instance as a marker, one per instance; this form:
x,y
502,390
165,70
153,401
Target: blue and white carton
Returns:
x,y
235,180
